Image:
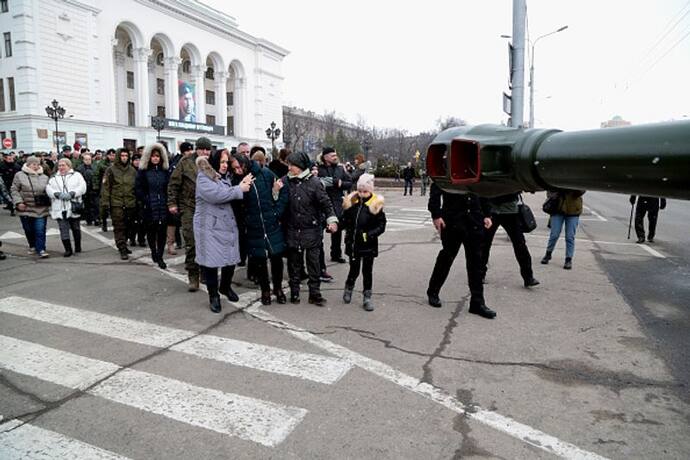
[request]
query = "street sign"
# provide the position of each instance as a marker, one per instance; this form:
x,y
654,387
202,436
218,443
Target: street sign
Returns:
x,y
7,143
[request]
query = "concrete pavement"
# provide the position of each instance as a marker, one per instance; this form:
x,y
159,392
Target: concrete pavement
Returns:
x,y
565,369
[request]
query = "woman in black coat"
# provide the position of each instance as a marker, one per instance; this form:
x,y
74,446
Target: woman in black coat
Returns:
x,y
364,221
152,190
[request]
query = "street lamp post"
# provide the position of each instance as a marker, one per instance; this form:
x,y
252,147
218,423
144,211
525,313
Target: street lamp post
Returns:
x,y
531,73
158,123
56,112
273,133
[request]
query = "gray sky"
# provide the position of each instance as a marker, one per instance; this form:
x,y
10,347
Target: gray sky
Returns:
x,y
405,64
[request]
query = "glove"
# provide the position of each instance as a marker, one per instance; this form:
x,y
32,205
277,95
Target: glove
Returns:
x,y
632,199
65,196
56,195
327,181
72,194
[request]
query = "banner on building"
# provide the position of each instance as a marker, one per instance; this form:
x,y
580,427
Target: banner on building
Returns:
x,y
187,101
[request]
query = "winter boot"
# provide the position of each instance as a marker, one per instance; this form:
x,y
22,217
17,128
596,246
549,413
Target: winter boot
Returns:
x,y
68,248
368,305
347,293
193,278
77,243
568,263
123,254
266,297
546,258
280,296
214,301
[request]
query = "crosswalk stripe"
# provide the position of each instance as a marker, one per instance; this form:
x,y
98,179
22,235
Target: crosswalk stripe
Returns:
x,y
309,366
97,323
251,419
247,418
31,442
318,368
62,368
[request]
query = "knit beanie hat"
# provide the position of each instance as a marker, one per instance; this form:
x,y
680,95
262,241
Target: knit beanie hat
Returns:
x,y
299,159
203,143
186,147
366,183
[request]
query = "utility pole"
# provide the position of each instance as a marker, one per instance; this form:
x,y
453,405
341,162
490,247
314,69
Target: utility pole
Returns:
x,y
518,70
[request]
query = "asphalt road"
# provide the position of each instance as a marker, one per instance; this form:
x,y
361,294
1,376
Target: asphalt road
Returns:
x,y
101,358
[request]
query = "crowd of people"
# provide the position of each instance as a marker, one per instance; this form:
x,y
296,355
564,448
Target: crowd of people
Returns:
x,y
236,208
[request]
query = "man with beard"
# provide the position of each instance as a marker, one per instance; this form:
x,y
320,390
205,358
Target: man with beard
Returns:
x,y
336,181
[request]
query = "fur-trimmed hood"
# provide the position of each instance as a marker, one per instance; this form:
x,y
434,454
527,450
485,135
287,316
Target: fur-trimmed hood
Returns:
x,y
375,202
146,157
205,167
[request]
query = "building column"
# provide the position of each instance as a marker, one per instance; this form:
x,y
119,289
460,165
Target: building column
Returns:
x,y
120,84
152,86
199,92
172,99
141,85
240,107
221,87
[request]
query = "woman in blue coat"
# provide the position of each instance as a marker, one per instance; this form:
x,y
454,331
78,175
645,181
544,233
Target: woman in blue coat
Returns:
x,y
264,205
216,238
151,187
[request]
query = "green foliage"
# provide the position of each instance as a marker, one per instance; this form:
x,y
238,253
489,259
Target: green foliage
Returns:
x,y
346,147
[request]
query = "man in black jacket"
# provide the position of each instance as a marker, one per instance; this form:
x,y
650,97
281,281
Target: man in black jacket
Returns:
x,y
647,205
460,219
303,220
8,168
408,176
336,181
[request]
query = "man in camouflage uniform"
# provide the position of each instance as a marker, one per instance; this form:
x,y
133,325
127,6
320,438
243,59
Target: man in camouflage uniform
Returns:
x,y
117,193
98,172
182,201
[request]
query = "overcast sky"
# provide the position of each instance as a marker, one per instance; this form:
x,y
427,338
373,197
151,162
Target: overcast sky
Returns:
x,y
405,64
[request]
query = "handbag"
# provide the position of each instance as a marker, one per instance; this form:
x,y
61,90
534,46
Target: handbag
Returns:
x,y
552,204
77,206
40,200
526,218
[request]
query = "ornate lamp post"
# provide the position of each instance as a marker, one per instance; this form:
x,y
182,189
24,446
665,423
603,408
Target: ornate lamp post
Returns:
x,y
158,123
55,111
273,133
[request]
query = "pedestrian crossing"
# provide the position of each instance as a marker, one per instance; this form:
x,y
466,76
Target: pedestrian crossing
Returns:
x,y
399,218
246,417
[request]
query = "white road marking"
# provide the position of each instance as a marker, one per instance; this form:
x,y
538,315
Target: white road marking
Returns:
x,y
59,367
32,442
309,366
653,252
494,420
251,419
11,236
596,214
96,323
317,368
424,210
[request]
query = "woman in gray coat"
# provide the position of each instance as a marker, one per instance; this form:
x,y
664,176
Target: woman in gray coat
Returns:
x,y
32,204
216,237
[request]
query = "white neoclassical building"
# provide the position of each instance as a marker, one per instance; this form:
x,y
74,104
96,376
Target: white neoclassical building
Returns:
x,y
113,65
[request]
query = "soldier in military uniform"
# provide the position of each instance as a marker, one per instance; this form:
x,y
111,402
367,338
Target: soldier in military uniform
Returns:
x,y
460,219
182,201
98,172
117,194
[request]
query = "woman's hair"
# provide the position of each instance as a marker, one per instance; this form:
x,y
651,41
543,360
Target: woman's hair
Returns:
x,y
32,159
359,158
283,154
216,156
66,161
242,160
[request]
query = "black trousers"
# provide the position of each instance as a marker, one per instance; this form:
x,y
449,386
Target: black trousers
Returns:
x,y
261,269
295,262
408,183
652,211
90,207
452,237
211,277
512,227
336,243
367,266
157,236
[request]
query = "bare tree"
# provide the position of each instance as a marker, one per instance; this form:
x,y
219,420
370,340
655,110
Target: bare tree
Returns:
x,y
449,122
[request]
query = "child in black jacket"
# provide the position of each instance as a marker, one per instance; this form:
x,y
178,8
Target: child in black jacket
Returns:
x,y
363,221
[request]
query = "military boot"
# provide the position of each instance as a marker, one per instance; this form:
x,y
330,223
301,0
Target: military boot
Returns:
x,y
193,281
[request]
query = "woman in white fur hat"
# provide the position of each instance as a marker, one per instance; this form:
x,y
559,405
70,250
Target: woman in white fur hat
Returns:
x,y
364,221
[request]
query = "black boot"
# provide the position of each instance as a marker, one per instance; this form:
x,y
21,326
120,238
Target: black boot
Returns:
x,y
280,296
347,293
482,310
77,242
68,248
214,301
266,297
568,265
546,258
368,305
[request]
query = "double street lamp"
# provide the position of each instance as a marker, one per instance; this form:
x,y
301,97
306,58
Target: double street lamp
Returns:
x,y
158,123
273,133
56,112
531,73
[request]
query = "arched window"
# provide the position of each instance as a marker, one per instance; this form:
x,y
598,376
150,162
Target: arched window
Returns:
x,y
159,58
187,66
209,73
128,51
